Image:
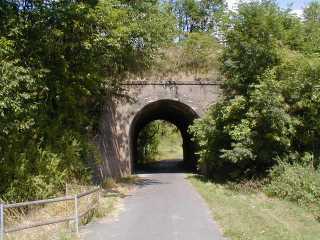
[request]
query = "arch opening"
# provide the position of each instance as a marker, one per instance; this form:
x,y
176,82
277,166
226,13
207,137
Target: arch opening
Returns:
x,y
175,112
159,147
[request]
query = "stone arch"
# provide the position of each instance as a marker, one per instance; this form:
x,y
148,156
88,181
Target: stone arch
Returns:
x,y
185,100
173,111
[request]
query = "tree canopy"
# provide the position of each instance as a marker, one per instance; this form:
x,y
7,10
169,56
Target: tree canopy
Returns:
x,y
271,105
58,62
197,16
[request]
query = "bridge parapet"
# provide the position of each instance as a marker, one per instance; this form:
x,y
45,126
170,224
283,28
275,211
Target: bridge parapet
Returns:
x,y
172,82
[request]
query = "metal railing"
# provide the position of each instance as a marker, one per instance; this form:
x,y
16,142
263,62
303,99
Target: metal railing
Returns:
x,y
77,215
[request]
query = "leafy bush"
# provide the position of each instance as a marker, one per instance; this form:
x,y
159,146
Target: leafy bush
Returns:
x,y
268,122
158,140
148,142
298,183
39,180
37,173
270,108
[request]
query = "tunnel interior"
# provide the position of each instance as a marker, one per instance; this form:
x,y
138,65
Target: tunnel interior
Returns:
x,y
175,112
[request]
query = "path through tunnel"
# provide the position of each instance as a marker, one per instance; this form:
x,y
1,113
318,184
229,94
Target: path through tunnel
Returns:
x,y
175,112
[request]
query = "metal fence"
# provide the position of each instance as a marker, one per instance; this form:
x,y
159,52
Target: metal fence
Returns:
x,y
76,217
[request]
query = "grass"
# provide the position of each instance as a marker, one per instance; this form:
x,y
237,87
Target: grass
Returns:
x,y
251,215
110,198
170,146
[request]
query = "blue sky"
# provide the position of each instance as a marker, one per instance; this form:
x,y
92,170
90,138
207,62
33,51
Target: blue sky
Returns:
x,y
294,4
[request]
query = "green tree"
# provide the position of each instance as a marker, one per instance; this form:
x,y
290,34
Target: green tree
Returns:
x,y
197,16
312,28
270,103
312,12
253,38
59,61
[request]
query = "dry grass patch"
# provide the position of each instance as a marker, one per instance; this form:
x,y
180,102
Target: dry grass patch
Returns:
x,y
112,194
109,204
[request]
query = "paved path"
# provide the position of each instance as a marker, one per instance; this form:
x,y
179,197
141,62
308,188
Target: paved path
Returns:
x,y
164,207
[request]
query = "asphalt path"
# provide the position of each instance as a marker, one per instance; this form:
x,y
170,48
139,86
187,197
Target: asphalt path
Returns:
x,y
165,206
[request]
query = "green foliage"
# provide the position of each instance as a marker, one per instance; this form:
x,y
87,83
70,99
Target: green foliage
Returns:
x,y
312,28
155,142
312,12
38,180
213,136
58,62
271,103
194,49
197,16
297,183
148,142
253,38
269,115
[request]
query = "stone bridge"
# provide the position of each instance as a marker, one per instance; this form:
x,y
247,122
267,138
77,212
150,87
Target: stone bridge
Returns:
x,y
175,101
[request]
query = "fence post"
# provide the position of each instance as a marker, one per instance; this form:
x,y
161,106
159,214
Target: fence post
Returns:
x,y
1,221
98,197
76,215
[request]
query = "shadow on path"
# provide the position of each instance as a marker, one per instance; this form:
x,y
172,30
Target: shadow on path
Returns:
x,y
163,166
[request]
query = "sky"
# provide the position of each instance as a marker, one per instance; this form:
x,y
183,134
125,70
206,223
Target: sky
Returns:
x,y
293,4
296,5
